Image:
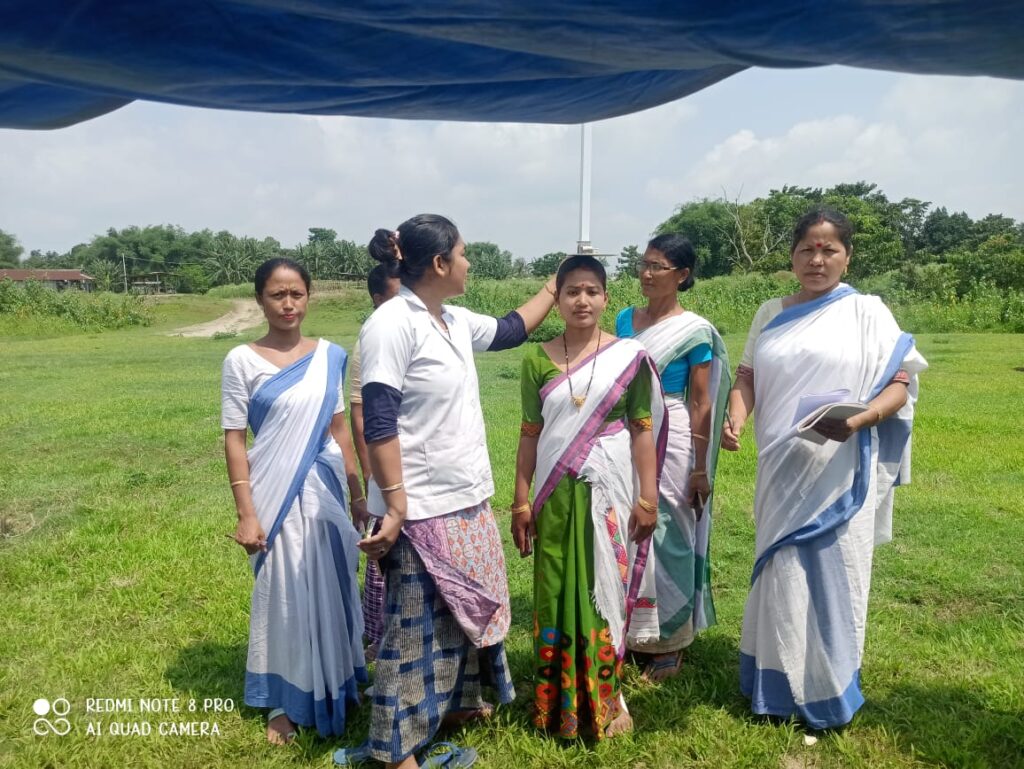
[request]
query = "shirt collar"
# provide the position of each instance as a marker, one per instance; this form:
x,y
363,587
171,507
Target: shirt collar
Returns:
x,y
411,297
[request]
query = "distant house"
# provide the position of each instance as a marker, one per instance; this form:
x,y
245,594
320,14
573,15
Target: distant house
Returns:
x,y
56,279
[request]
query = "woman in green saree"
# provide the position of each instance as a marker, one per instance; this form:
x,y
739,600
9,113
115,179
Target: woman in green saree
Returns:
x,y
593,422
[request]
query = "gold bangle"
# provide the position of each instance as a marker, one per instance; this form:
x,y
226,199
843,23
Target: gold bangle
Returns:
x,y
359,499
523,508
702,437
699,472
394,487
239,483
878,413
650,507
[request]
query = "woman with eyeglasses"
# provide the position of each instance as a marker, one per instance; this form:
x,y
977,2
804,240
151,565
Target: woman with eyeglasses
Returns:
x,y
694,368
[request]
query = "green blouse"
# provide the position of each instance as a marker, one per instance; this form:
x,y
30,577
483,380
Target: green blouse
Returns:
x,y
538,369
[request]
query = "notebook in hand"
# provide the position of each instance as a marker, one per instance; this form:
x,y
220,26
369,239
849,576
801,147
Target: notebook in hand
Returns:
x,y
805,429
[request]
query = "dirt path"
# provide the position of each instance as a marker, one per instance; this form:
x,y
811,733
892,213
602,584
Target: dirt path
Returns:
x,y
246,314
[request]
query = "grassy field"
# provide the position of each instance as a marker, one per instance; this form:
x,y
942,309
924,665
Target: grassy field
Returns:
x,y
117,580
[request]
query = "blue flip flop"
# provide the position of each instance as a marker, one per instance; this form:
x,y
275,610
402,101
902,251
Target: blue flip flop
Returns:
x,y
450,757
350,756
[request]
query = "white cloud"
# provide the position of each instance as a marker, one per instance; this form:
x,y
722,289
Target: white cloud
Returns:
x,y
954,141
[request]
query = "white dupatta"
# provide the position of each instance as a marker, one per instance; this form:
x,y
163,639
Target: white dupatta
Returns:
x,y
578,442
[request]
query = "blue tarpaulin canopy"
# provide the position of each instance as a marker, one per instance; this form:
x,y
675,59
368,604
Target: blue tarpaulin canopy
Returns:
x,y
551,61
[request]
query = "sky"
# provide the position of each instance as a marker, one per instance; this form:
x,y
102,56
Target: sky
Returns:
x,y
953,141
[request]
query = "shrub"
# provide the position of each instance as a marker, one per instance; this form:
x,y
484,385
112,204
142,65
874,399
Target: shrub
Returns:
x,y
32,300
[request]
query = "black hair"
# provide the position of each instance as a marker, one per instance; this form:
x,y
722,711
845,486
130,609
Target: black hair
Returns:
x,y
409,251
678,250
820,215
377,280
580,262
265,270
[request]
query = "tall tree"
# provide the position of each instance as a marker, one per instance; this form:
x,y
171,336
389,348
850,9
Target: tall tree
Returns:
x,y
487,260
943,231
629,260
547,265
10,250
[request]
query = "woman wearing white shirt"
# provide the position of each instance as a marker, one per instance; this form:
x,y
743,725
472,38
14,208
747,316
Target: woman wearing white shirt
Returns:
x,y
446,608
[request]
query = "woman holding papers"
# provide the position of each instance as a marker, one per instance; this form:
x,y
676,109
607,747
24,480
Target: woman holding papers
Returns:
x,y
694,369
819,507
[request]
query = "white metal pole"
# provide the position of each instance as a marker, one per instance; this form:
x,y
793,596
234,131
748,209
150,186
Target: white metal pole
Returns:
x,y
124,271
583,245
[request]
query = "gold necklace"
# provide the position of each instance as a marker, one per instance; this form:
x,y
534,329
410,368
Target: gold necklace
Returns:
x,y
579,400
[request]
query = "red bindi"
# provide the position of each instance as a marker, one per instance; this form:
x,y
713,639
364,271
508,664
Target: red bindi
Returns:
x,y
818,245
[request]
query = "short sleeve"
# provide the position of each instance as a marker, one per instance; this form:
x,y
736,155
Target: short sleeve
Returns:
x,y
340,406
699,354
764,314
638,394
355,387
482,328
234,395
386,346
530,381
624,323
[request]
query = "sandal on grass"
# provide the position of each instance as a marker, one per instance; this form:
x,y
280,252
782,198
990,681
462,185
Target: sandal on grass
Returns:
x,y
349,756
450,756
662,666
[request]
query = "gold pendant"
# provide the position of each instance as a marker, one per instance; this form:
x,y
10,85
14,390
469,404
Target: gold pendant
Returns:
x,y
579,400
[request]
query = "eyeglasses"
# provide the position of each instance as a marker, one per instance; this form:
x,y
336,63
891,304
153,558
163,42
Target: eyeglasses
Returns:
x,y
653,267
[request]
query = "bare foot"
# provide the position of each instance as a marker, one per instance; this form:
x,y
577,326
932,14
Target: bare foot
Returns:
x,y
621,724
280,730
663,666
459,717
370,653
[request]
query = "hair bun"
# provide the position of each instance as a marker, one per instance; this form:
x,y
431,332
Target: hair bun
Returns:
x,y
384,246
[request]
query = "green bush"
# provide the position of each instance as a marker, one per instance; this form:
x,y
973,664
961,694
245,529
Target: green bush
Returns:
x,y
32,301
728,302
232,291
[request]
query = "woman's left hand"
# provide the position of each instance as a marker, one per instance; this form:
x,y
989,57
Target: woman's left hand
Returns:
x,y
641,523
836,429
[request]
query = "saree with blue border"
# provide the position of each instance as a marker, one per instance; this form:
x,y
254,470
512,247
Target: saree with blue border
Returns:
x,y
305,632
820,509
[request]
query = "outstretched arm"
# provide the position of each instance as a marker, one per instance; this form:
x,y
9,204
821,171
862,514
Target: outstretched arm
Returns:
x,y
537,308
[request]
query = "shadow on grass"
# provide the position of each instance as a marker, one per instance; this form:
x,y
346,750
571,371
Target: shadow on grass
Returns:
x,y
207,670
215,670
948,725
709,679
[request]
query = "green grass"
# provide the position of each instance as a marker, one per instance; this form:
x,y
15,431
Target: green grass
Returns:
x,y
117,580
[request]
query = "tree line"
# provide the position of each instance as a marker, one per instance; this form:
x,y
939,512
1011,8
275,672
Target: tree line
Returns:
x,y
924,248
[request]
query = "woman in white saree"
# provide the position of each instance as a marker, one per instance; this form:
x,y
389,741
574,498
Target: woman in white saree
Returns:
x,y
694,369
305,634
823,499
